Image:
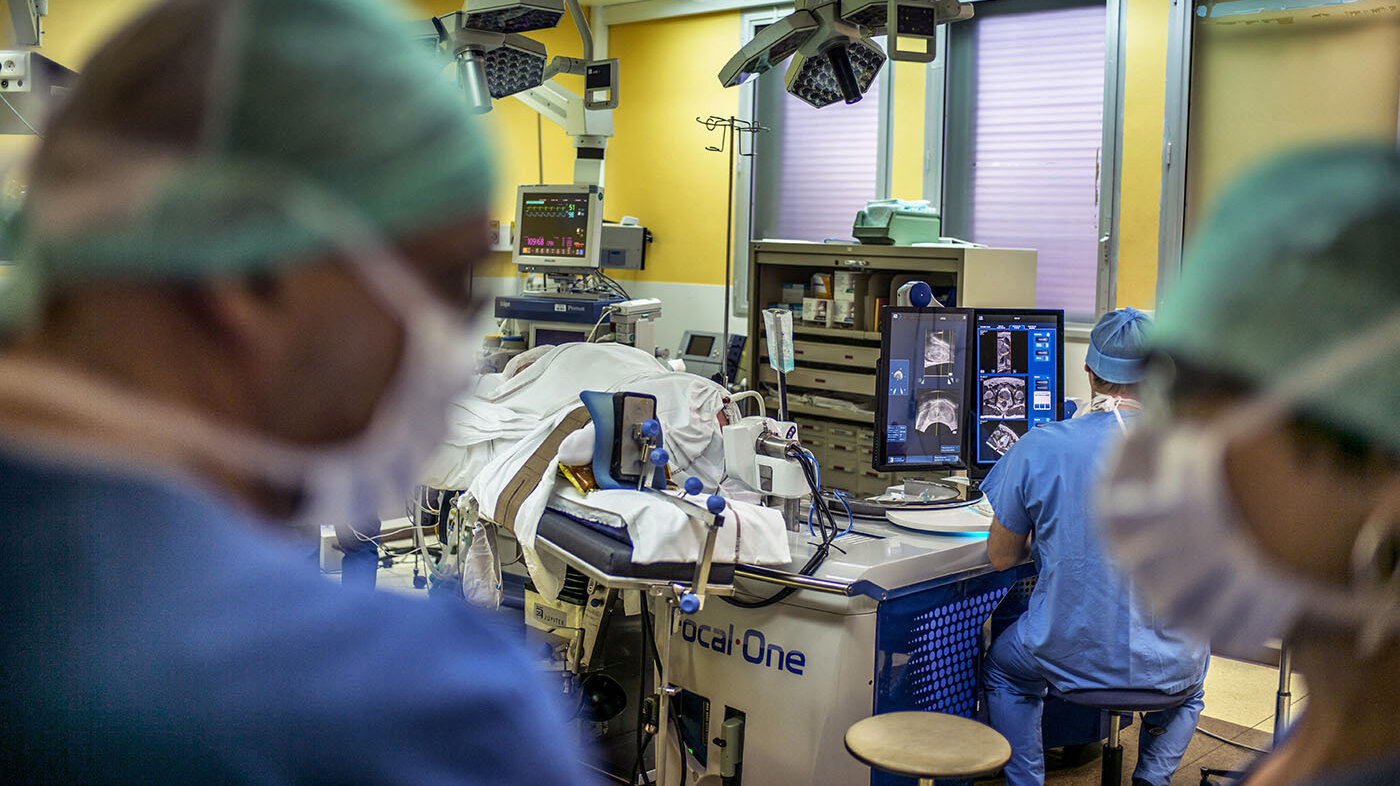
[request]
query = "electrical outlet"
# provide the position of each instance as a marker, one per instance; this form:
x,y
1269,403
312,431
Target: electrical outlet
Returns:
x,y
14,71
501,235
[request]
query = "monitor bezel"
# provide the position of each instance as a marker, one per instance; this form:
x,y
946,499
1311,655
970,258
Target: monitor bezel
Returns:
x,y
593,232
879,455
975,465
561,327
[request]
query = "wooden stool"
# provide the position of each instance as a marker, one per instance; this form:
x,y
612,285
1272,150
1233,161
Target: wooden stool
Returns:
x,y
927,745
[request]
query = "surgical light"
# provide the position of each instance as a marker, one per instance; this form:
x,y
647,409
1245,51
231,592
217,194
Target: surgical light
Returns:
x,y
516,65
493,59
835,58
513,16
843,71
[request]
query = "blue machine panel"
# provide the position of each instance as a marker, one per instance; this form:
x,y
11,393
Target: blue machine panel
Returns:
x,y
550,309
929,651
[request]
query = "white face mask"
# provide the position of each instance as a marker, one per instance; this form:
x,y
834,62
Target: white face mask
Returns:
x,y
368,475
375,472
1170,520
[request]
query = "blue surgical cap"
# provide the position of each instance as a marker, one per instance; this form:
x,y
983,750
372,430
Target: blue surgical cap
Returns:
x,y
1117,345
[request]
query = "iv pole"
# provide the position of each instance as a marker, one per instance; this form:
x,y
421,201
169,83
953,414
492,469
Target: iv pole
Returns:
x,y
730,129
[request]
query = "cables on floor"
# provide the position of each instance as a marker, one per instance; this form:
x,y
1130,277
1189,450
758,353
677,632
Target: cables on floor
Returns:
x,y
1235,743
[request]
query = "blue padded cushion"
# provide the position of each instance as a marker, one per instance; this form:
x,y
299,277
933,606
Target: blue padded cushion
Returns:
x,y
1125,700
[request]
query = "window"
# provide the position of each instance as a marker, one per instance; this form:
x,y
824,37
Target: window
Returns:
x,y
815,168
1025,140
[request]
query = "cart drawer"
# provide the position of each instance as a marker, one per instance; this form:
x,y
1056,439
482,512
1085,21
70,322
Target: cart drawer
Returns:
x,y
835,354
837,381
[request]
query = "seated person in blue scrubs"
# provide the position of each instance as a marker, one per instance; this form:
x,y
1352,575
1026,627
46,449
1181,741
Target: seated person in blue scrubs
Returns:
x,y
1080,629
243,267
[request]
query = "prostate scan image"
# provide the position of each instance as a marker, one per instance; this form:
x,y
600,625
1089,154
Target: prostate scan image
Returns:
x,y
938,353
1004,397
936,409
1004,351
1002,438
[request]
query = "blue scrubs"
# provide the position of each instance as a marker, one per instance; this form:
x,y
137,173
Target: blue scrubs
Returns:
x,y
359,548
152,634
1080,629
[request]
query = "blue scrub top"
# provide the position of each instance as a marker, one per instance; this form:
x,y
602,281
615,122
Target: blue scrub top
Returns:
x,y
152,634
1080,624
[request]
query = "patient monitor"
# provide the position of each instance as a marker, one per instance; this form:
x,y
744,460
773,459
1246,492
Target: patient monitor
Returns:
x,y
558,227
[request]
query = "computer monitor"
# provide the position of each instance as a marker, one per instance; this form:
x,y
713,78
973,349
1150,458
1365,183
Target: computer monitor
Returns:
x,y
558,226
923,378
1019,380
548,333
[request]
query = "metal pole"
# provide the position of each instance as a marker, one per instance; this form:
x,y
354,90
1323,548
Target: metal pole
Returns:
x,y
1283,709
782,397
728,252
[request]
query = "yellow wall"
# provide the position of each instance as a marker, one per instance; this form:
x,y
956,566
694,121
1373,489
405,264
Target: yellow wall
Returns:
x,y
907,144
1268,82
658,168
1140,180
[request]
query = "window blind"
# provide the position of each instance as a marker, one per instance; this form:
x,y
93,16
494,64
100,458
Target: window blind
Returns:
x,y
827,163
1036,139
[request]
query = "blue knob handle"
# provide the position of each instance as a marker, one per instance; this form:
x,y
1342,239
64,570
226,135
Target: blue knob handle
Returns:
x,y
659,457
689,603
715,504
921,295
693,485
651,429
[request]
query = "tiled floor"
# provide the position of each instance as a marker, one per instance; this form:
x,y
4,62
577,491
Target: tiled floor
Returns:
x,y
1244,693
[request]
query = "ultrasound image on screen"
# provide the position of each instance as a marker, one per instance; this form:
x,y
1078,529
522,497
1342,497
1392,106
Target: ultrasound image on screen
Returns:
x,y
1000,436
1004,397
938,353
937,409
1002,351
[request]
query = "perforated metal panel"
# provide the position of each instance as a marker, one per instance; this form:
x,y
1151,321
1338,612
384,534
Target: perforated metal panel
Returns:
x,y
929,650
945,657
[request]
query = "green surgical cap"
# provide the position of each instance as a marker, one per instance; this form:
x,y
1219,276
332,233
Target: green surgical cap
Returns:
x,y
190,133
1299,257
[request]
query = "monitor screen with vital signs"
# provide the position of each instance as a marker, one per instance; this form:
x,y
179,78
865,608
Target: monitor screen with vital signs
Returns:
x,y
558,226
1019,380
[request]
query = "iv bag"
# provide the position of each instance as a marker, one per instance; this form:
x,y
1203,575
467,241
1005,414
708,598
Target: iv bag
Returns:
x,y
777,322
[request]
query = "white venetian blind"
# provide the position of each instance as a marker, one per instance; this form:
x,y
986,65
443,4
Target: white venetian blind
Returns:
x,y
1037,133
827,166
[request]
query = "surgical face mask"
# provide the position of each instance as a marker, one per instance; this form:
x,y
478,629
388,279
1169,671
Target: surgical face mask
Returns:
x,y
375,472
1168,516
365,476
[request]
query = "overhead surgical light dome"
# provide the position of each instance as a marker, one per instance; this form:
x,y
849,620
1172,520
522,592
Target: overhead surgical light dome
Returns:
x,y
836,60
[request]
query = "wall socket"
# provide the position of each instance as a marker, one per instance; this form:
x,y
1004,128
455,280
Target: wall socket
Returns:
x,y
502,235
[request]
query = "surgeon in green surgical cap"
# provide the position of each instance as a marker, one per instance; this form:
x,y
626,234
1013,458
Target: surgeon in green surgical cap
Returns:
x,y
238,314
1259,499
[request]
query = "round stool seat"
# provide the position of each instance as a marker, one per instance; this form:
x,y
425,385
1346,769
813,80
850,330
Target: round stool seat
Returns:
x,y
927,745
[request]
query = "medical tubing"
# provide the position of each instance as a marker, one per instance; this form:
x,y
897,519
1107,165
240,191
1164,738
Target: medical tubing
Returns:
x,y
750,394
810,470
607,312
